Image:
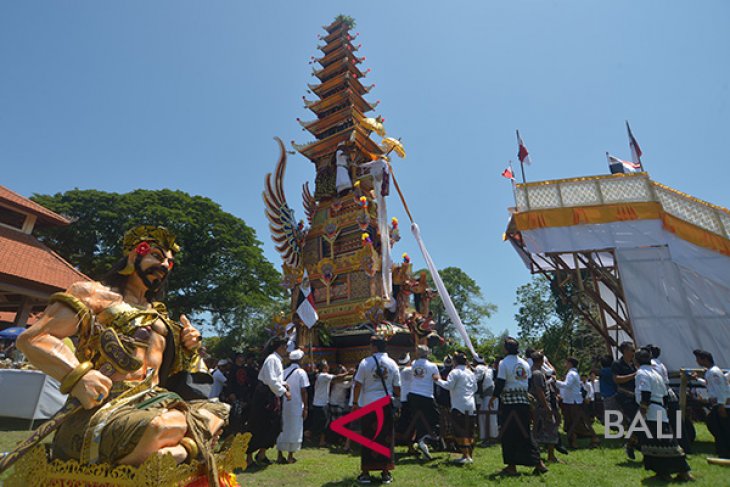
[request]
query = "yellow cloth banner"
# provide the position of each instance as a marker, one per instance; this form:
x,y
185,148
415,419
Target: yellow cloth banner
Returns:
x,y
587,215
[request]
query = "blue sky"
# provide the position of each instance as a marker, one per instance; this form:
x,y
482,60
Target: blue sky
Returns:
x,y
188,95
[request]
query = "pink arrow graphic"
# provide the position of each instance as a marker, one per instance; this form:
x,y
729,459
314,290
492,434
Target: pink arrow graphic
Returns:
x,y
338,425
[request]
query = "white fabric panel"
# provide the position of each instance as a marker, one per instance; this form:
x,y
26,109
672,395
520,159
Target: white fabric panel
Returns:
x,y
630,234
29,394
678,293
637,233
51,399
674,307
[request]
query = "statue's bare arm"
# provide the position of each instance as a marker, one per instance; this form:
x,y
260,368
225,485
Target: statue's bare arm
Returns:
x,y
43,345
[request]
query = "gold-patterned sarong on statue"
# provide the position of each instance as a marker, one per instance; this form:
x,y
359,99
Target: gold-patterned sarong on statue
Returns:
x,y
106,435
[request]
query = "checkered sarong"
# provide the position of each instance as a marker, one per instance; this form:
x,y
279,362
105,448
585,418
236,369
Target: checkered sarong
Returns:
x,y
515,396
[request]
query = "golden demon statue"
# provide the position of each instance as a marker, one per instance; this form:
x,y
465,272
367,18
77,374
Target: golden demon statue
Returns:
x,y
130,356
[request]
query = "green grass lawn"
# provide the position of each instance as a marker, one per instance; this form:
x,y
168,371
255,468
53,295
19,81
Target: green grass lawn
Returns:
x,y
606,466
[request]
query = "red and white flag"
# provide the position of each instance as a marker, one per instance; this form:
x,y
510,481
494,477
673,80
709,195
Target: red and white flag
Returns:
x,y
619,166
634,146
507,173
522,152
305,303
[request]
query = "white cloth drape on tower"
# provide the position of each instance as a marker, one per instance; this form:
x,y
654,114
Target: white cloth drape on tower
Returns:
x,y
443,293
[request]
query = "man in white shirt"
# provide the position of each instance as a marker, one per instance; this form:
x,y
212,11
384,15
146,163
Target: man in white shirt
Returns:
x,y
510,387
484,376
219,379
320,416
402,426
462,385
661,453
264,422
589,398
420,399
377,377
339,392
293,412
571,390
718,390
318,421
656,363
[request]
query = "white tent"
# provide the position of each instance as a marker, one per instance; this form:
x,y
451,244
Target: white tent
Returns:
x,y
671,251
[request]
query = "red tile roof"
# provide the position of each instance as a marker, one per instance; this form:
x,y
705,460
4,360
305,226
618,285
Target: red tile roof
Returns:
x,y
13,199
9,317
24,257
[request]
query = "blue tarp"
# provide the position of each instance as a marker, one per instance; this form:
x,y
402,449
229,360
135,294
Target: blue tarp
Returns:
x,y
11,333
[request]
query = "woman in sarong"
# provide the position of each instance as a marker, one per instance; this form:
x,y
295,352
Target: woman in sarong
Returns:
x,y
545,421
662,454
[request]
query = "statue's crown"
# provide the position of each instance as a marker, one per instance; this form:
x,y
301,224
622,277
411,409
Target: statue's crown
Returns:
x,y
160,236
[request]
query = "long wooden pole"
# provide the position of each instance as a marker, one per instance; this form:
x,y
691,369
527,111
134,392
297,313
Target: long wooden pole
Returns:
x,y
400,193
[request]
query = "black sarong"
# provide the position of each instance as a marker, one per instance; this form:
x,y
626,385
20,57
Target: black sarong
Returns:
x,y
318,421
577,424
518,444
720,429
403,430
264,422
425,415
463,429
369,459
663,456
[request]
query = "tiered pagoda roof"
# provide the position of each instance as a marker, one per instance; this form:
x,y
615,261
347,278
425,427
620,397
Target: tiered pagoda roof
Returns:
x,y
341,104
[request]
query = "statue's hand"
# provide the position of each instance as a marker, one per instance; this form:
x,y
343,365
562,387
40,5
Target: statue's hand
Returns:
x,y
92,389
191,337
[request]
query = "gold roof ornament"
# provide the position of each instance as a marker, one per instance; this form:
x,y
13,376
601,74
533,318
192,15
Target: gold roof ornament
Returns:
x,y
390,144
374,124
160,236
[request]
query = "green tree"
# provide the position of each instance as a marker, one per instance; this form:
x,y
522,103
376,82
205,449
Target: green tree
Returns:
x,y
220,275
535,309
491,347
469,303
253,336
548,322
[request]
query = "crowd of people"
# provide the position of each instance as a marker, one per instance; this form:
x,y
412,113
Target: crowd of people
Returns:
x,y
10,356
517,400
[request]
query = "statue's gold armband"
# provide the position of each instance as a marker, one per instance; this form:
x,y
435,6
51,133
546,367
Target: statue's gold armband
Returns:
x,y
73,377
75,304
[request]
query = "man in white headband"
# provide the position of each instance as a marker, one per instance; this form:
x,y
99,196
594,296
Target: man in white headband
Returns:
x,y
293,412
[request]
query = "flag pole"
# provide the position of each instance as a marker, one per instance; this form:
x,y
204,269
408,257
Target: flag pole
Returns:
x,y
522,164
512,181
634,148
522,167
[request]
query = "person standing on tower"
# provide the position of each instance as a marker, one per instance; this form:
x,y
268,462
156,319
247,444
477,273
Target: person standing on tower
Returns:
x,y
343,183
